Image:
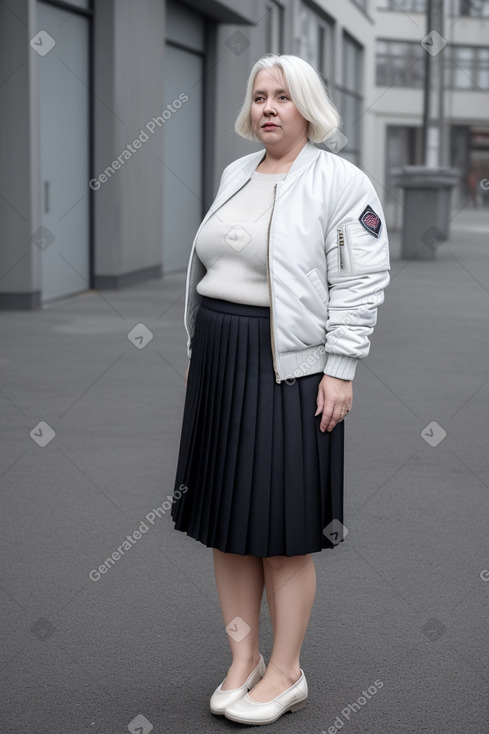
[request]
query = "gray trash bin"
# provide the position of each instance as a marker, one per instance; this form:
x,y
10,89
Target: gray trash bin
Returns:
x,y
426,210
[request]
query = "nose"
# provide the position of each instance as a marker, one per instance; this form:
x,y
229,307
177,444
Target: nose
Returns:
x,y
269,108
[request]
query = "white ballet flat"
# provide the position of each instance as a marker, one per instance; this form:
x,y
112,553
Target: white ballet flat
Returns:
x,y
220,699
247,711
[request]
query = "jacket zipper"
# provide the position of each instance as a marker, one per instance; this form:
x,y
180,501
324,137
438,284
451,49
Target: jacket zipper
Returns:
x,y
341,248
269,281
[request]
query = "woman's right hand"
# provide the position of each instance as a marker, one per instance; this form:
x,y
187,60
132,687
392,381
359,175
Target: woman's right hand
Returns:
x,y
186,374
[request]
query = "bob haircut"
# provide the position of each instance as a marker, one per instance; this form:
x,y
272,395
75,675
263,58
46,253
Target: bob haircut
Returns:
x,y
307,91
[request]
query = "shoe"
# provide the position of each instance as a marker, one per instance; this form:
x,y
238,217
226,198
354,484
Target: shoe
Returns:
x,y
247,711
221,699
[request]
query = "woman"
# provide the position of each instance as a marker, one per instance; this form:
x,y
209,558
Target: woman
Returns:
x,y
285,275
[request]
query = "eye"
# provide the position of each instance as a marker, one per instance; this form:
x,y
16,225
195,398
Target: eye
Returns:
x,y
283,96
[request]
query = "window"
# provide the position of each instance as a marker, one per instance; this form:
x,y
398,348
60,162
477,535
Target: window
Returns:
x,y
350,101
467,67
399,63
472,8
275,27
408,6
317,43
82,4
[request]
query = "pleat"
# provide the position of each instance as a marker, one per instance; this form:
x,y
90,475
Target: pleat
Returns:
x,y
243,471
189,438
336,473
224,408
212,425
330,453
314,449
262,479
277,493
259,512
231,446
205,423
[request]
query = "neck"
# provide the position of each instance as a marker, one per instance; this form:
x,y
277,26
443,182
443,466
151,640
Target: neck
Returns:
x,y
277,160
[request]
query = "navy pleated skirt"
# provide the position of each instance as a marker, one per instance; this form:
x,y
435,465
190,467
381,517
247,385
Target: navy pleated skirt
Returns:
x,y
255,475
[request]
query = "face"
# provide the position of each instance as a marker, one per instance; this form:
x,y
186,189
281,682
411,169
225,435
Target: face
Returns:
x,y
274,117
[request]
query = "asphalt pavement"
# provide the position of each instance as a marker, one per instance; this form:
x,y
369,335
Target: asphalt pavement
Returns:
x,y
110,617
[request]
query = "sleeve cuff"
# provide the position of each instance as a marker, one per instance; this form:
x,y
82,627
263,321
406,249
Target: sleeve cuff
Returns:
x,y
338,365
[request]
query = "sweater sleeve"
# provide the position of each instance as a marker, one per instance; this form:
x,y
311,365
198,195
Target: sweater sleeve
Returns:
x,y
357,254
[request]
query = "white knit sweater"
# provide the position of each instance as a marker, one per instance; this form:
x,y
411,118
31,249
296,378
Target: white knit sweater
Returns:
x,y
232,244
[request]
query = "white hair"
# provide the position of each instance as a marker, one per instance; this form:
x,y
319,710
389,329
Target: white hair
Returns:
x,y
307,90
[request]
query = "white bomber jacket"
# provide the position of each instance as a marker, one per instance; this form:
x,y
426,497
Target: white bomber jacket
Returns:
x,y
327,263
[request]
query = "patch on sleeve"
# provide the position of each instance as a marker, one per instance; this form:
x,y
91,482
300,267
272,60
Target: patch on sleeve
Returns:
x,y
371,221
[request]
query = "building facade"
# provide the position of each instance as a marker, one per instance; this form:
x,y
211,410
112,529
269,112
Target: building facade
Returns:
x,y
400,25
117,119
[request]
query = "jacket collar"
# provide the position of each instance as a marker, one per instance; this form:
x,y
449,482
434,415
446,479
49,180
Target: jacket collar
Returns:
x,y
307,154
249,163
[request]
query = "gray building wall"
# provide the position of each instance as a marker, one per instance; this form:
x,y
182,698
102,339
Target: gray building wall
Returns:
x,y
128,91
19,158
128,58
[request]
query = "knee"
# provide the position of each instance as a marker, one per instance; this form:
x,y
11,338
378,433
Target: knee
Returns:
x,y
274,563
278,563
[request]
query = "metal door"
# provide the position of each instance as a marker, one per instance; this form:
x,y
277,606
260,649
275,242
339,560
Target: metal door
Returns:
x,y
182,135
64,135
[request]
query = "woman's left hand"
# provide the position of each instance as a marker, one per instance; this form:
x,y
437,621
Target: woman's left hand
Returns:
x,y
334,400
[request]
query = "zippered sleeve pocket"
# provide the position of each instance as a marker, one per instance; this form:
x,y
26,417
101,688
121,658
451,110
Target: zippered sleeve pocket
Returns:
x,y
359,251
344,265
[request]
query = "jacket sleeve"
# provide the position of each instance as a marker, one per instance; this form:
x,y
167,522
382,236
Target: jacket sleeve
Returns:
x,y
357,256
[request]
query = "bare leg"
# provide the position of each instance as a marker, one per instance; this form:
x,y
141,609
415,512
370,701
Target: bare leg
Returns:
x,y
240,582
291,583
271,604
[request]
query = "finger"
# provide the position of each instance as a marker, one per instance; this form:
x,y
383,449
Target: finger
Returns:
x,y
343,413
327,416
320,403
336,416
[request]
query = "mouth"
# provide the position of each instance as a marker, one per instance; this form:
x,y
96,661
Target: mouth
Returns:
x,y
269,125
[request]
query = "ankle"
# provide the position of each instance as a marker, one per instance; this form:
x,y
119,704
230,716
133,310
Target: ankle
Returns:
x,y
243,661
239,670
289,674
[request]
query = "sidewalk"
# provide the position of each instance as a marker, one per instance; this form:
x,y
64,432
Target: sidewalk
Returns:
x,y
402,602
